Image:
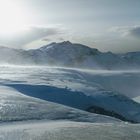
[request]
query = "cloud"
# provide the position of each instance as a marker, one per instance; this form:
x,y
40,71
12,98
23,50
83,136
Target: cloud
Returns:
x,y
133,31
55,38
31,34
35,33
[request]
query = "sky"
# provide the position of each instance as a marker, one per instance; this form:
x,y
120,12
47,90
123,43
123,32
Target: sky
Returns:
x,y
108,25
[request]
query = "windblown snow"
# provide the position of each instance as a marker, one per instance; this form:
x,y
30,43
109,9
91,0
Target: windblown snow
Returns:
x,y
51,101
57,103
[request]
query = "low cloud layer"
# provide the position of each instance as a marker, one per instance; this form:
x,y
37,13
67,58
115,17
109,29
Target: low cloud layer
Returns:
x,y
133,31
29,35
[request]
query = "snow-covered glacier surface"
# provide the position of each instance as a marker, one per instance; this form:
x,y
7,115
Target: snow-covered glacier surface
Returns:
x,y
81,89
66,130
42,102
15,106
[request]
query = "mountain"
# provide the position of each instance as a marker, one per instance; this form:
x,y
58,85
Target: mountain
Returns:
x,y
75,55
70,55
64,54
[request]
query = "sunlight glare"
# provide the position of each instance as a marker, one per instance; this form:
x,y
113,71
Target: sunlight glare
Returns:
x,y
12,17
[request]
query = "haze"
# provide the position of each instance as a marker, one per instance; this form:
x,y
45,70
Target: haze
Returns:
x,y
108,25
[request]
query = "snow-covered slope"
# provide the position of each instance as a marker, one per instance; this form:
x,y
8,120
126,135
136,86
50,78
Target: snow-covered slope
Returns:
x,y
70,55
23,117
137,99
66,130
100,101
72,87
15,106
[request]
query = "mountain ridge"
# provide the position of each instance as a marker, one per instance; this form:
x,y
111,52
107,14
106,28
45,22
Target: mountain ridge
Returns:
x,y
70,55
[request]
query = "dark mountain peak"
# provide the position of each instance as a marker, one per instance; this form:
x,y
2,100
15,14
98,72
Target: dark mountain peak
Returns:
x,y
66,43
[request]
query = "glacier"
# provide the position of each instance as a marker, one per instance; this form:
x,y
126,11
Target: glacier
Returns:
x,y
28,112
